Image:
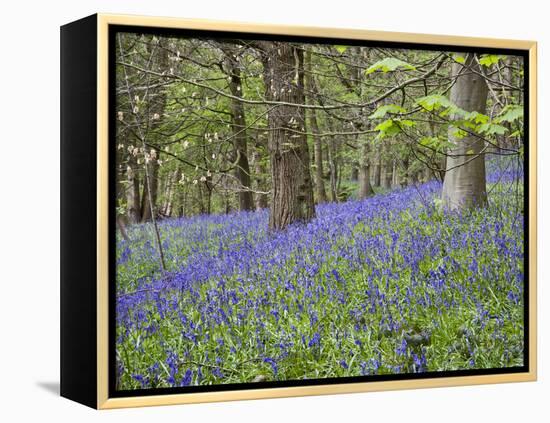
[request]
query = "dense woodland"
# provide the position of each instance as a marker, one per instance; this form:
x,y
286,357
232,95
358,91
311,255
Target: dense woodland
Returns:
x,y
290,210
212,126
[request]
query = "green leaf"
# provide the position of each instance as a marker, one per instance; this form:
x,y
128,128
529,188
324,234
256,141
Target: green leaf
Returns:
x,y
476,117
458,133
488,60
341,49
492,129
434,102
459,58
407,122
437,102
387,128
389,64
384,126
510,114
429,141
388,108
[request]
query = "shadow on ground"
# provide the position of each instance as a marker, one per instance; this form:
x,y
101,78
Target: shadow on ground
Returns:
x,y
51,387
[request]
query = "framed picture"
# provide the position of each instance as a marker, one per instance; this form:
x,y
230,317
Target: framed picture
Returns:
x,y
255,211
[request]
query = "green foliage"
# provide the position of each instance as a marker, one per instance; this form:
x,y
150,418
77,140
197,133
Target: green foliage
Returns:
x,y
434,143
389,64
463,122
436,102
510,113
341,49
492,129
489,60
391,127
459,58
385,109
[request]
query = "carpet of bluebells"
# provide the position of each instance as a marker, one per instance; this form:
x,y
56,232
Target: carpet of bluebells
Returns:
x,y
390,284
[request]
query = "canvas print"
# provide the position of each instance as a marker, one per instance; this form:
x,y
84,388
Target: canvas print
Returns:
x,y
293,210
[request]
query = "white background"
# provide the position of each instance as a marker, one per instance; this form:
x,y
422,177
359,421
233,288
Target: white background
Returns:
x,y
29,239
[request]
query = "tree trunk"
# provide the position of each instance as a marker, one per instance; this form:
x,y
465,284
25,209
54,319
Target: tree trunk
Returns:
x,y
395,174
377,169
291,191
260,200
153,179
387,175
317,146
132,192
333,171
464,185
354,177
365,187
242,170
156,105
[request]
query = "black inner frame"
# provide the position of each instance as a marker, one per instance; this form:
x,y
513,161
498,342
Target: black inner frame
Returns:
x,y
189,33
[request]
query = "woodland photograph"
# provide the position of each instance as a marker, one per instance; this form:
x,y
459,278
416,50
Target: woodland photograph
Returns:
x,y
297,209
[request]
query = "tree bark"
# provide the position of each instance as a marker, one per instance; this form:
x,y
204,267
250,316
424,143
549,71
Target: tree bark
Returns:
x,y
242,170
260,200
292,191
147,207
365,187
377,169
132,191
311,88
464,185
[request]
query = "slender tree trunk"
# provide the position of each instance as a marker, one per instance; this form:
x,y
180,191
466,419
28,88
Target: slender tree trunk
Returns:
x,y
377,169
132,192
242,171
333,171
146,207
311,88
291,191
464,185
395,174
121,225
260,200
354,177
365,187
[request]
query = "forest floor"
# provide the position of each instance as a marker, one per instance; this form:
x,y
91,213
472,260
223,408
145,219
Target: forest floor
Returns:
x,y
387,285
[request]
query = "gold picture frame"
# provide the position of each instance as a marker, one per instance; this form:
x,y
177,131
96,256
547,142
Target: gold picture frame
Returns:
x,y
99,361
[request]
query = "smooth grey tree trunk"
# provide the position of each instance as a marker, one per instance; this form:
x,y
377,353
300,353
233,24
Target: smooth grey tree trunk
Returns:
x,y
464,185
